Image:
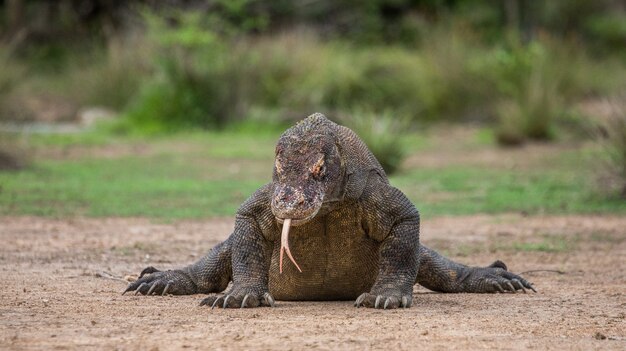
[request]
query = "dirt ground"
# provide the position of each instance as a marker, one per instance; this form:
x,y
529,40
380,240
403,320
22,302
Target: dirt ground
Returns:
x,y
61,284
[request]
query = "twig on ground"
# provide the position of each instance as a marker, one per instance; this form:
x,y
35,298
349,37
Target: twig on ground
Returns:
x,y
544,270
103,274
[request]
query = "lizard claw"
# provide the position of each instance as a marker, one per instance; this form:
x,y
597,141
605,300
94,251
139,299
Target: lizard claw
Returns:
x,y
245,300
208,301
510,287
151,281
359,300
226,301
141,286
406,302
235,300
518,285
250,301
496,278
497,286
167,287
378,298
128,288
383,301
217,302
269,300
391,302
152,288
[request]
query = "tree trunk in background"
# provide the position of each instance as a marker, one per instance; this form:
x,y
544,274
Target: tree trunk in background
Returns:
x,y
521,17
528,23
511,10
15,15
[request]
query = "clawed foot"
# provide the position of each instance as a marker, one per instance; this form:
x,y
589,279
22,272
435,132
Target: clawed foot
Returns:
x,y
384,301
155,282
239,300
496,278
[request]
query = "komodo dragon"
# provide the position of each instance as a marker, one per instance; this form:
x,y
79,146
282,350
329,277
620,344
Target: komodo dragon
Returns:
x,y
353,235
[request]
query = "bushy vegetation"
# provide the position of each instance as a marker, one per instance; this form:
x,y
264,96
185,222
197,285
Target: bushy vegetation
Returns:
x,y
12,154
10,76
612,137
196,76
208,64
528,84
110,76
427,61
518,66
383,135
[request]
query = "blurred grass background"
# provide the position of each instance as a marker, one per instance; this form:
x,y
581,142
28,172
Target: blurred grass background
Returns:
x,y
195,93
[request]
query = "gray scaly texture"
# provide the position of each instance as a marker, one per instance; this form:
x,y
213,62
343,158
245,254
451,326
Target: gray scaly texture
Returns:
x,y
353,235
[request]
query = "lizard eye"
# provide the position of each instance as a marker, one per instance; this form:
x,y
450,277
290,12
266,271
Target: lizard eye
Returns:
x,y
322,172
318,171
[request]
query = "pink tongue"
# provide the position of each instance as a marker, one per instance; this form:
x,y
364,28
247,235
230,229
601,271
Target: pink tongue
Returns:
x,y
284,245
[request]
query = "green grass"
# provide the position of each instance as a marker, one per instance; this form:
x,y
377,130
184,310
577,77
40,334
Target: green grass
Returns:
x,y
188,175
154,187
467,190
90,138
207,174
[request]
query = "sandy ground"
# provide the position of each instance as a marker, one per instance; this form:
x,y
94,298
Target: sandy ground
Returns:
x,y
61,284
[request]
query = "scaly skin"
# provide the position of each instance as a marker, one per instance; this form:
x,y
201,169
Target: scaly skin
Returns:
x,y
353,235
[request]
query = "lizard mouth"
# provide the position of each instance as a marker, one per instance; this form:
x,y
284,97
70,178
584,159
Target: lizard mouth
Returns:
x,y
297,221
292,206
284,245
284,237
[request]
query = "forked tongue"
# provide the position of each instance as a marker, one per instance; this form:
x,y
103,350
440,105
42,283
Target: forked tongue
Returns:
x,y
284,245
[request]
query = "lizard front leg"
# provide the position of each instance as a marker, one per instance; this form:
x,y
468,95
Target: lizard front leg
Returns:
x,y
398,266
251,256
390,218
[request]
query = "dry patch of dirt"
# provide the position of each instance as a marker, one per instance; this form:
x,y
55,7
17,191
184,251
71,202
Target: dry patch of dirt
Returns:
x,y
59,291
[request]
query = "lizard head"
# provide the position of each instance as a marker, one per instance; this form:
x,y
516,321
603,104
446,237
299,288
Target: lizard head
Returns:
x,y
307,168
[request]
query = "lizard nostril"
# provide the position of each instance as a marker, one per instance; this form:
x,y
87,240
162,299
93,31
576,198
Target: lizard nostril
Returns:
x,y
285,195
300,199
